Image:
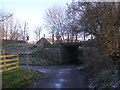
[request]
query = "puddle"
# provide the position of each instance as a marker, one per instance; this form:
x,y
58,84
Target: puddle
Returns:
x,y
61,72
58,85
43,71
61,80
67,69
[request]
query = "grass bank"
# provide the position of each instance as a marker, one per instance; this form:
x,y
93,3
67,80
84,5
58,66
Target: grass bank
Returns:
x,y
37,61
21,78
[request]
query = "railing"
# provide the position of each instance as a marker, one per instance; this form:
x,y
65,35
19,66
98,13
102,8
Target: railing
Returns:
x,y
8,62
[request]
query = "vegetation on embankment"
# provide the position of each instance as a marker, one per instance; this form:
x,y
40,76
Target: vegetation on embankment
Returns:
x,y
31,50
101,21
104,71
102,77
36,61
21,48
20,78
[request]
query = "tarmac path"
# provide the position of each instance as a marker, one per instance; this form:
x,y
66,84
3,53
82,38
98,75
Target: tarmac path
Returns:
x,y
67,76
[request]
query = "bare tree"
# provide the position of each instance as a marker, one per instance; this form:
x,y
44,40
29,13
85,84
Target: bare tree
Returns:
x,y
10,28
73,17
101,20
4,17
24,30
37,32
55,20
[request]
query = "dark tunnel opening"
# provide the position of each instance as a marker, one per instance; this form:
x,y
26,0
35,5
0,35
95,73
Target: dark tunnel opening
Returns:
x,y
72,53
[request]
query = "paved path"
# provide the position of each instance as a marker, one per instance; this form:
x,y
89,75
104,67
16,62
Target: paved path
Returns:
x,y
60,77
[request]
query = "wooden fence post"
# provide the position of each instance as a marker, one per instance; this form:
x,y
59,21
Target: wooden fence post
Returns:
x,y
3,53
17,61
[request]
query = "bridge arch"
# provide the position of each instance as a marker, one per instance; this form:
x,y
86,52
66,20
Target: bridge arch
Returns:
x,y
71,52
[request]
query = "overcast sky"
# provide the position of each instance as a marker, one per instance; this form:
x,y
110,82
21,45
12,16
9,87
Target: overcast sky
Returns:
x,y
31,11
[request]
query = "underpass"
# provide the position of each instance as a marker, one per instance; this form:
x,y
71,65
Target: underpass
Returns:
x,y
71,52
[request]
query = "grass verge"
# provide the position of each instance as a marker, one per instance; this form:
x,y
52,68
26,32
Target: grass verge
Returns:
x,y
37,61
20,78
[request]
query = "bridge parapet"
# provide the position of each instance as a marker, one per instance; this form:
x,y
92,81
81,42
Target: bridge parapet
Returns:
x,y
71,43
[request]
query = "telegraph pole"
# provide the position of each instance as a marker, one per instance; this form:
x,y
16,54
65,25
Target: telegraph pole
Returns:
x,y
27,50
53,38
44,41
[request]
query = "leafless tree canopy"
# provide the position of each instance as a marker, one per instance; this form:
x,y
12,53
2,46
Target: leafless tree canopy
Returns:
x,y
55,18
12,29
37,32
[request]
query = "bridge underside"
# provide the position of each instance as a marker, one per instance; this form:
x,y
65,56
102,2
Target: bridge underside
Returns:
x,y
67,52
71,52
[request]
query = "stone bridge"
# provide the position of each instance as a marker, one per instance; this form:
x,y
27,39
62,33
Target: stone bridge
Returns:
x,y
71,52
65,52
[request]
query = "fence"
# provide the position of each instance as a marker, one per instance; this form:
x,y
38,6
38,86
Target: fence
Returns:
x,y
8,62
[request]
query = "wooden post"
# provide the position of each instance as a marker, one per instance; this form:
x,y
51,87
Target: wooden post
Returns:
x,y
68,38
17,61
3,53
44,41
53,38
76,37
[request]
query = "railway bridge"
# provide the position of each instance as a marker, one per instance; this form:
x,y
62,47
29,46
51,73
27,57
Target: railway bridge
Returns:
x,y
65,52
71,51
